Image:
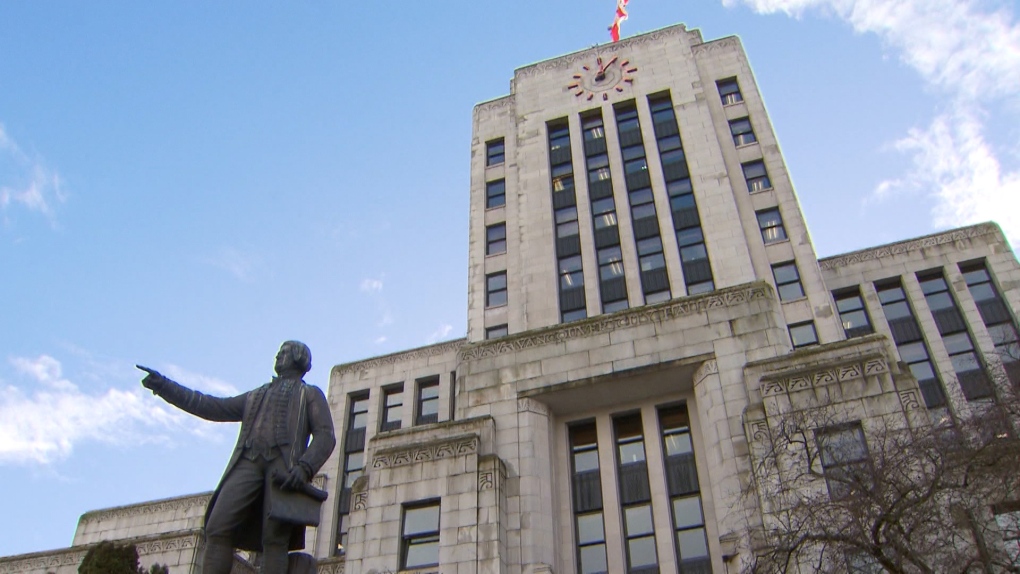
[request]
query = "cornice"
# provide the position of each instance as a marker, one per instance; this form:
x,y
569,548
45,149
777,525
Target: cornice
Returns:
x,y
155,507
841,372
146,545
425,452
493,105
614,48
659,313
907,246
726,43
413,354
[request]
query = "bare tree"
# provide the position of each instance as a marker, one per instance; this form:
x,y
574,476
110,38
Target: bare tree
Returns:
x,y
880,496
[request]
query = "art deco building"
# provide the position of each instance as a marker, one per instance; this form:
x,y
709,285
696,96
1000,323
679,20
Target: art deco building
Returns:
x,y
644,302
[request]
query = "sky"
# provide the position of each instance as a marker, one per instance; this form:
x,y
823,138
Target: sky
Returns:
x,y
186,186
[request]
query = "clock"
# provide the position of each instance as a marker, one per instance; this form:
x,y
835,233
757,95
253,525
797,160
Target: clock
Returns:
x,y
604,77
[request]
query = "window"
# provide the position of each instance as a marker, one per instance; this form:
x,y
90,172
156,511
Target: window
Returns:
x,y
495,193
496,332
604,212
909,342
787,281
593,128
742,132
771,225
852,314
729,91
419,544
996,316
428,402
495,289
683,488
635,495
495,239
571,275
393,408
586,490
803,334
756,176
494,152
652,263
559,136
566,222
354,463
844,457
612,284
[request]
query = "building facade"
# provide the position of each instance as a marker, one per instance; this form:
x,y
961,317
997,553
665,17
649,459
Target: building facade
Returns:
x,y
644,304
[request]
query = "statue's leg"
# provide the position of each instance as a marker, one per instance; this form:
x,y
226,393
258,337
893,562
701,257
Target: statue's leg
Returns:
x,y
241,488
275,535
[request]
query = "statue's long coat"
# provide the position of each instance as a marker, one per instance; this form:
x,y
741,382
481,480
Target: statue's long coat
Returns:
x,y
304,415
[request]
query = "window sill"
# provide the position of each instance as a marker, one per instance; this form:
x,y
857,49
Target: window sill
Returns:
x,y
493,255
797,300
777,242
500,306
495,207
755,192
742,146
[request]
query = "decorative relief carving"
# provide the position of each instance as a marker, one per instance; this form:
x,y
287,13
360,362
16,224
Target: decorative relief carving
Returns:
x,y
158,507
331,565
605,50
493,105
954,236
707,368
486,480
426,452
841,373
414,354
319,481
361,501
909,400
760,431
717,45
601,324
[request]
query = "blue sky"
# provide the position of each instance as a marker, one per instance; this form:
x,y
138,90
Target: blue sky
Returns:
x,y
186,186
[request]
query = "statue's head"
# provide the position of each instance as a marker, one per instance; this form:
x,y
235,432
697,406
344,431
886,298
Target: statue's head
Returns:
x,y
294,357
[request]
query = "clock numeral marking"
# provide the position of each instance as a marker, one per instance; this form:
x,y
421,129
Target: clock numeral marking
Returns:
x,y
619,89
629,80
579,93
624,63
577,76
605,97
573,86
632,70
590,96
585,68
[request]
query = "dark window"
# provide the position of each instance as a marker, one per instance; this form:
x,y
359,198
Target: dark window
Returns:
x,y
652,262
593,128
393,408
494,152
683,489
428,402
496,332
803,334
566,222
910,343
612,283
771,225
354,463
604,212
852,313
844,457
742,132
586,488
495,289
756,176
570,272
635,496
495,193
729,91
359,412
787,281
573,315
559,137
996,316
495,239
419,544
967,364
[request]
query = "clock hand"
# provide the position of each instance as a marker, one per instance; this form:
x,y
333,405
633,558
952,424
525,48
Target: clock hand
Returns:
x,y
602,69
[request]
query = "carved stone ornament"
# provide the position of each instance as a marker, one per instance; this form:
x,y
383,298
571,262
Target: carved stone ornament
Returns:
x,y
709,367
486,480
332,565
605,324
426,452
954,236
361,501
759,431
909,400
168,506
728,43
412,355
838,374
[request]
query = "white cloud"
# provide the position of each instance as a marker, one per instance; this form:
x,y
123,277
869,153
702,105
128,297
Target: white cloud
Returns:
x,y
199,382
371,285
380,340
35,187
236,262
967,51
43,423
441,333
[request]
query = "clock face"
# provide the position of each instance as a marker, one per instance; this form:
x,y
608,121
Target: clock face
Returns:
x,y
605,77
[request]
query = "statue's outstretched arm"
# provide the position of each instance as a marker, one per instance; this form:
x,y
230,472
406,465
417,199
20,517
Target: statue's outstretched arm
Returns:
x,y
229,409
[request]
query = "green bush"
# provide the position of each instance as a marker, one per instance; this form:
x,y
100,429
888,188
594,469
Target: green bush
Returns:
x,y
110,558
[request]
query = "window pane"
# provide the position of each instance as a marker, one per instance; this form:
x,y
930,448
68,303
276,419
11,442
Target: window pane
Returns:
x,y
692,543
965,362
568,229
922,371
421,519
913,352
632,452
790,292
850,303
496,282
422,553
355,461
786,273
597,161
651,262
650,245
689,236
638,520
564,215
938,301
643,195
957,343
610,255
642,552
933,285
891,294
679,443
687,512
803,335
643,211
693,253
680,186
590,529
568,264
982,292
593,559
897,310
603,205
585,461
359,421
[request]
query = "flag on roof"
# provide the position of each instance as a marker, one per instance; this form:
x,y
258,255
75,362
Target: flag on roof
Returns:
x,y
621,15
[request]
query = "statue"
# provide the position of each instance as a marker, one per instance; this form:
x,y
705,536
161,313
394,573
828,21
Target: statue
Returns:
x,y
273,452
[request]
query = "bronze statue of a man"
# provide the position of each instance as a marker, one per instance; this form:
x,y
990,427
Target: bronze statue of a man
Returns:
x,y
277,421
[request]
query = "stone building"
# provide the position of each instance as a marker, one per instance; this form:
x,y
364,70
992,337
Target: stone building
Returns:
x,y
644,302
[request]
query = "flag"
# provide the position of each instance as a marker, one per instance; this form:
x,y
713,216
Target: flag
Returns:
x,y
621,15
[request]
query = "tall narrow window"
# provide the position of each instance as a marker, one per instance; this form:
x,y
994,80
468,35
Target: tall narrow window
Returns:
x,y
771,225
635,496
996,316
756,176
852,313
967,363
495,239
494,152
573,304
612,288
419,541
686,221
354,463
586,490
393,408
495,289
428,402
495,193
683,490
910,342
844,457
611,280
787,281
729,91
742,132
803,334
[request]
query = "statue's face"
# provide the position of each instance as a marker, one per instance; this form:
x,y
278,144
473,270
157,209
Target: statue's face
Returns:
x,y
284,359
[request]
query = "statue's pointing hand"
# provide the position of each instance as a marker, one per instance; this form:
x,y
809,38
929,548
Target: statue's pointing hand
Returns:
x,y
153,381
